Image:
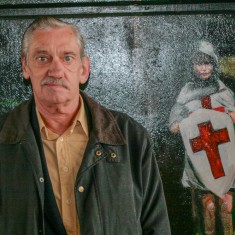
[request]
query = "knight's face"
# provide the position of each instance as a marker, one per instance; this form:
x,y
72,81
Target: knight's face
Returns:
x,y
202,66
203,71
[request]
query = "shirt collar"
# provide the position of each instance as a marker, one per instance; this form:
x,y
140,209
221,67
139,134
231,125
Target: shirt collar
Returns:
x,y
80,119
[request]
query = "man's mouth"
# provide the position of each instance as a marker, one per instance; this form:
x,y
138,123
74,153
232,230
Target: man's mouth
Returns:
x,y
49,81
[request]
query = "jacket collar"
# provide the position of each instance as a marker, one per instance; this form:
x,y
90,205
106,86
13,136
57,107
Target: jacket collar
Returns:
x,y
101,122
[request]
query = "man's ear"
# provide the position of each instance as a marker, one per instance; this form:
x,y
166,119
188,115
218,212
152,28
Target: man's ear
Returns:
x,y
84,85
85,69
25,69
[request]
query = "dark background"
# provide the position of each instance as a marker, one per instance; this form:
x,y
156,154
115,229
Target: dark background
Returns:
x,y
139,62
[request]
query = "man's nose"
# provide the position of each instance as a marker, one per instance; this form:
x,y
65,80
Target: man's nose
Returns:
x,y
56,68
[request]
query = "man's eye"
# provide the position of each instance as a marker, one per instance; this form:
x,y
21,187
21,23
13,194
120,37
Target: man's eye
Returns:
x,y
68,58
42,59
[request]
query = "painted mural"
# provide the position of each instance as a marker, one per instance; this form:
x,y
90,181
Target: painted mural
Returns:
x,y
204,115
167,71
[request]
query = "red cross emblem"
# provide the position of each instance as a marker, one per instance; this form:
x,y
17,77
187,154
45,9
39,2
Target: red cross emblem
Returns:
x,y
208,141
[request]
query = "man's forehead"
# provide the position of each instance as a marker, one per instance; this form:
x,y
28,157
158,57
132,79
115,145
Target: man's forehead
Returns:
x,y
65,38
53,34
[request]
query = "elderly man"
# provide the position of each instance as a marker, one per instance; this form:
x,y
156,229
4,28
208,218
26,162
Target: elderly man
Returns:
x,y
67,164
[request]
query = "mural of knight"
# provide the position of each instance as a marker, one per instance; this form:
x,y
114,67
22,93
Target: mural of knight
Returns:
x,y
204,116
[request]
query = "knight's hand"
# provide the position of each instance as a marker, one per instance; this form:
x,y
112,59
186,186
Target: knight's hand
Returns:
x,y
175,127
232,115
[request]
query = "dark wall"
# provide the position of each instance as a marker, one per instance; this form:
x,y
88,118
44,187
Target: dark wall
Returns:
x,y
139,62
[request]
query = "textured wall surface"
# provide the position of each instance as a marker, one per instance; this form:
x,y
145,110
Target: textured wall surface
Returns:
x,y
138,66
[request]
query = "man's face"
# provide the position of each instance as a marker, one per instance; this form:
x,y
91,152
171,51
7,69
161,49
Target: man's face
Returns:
x,y
54,66
203,71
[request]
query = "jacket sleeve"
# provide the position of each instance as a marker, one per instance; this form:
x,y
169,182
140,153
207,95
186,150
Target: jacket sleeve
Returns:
x,y
154,217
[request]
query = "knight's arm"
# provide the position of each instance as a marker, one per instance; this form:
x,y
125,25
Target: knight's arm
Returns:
x,y
177,114
226,98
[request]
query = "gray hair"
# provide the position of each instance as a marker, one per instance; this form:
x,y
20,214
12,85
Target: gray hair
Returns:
x,y
47,23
